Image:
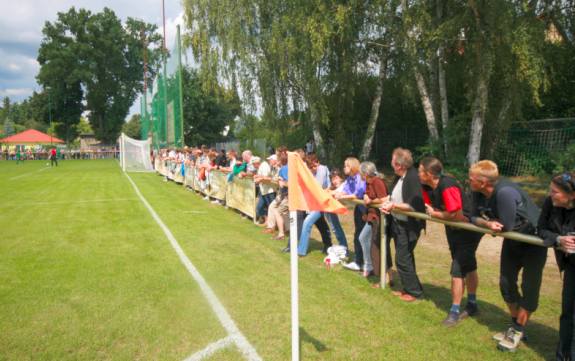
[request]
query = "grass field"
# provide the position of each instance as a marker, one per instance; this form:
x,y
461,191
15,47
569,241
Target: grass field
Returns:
x,y
86,273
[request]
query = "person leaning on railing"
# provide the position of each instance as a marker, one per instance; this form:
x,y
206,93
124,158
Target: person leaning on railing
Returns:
x,y
263,179
406,195
445,199
336,186
370,235
278,210
501,205
354,188
321,174
556,227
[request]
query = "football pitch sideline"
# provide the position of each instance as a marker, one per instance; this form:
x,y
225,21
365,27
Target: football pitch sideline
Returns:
x,y
87,273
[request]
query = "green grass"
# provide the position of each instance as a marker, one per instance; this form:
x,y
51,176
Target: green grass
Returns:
x,y
86,273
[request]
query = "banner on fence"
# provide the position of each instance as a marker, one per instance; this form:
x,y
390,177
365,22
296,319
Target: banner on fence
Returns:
x,y
241,195
218,185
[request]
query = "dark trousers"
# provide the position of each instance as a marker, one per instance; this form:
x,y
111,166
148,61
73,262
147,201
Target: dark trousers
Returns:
x,y
405,242
359,223
566,346
515,256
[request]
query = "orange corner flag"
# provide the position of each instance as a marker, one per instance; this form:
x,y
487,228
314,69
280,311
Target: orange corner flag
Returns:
x,y
305,193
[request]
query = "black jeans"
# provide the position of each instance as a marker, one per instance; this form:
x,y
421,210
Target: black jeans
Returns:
x,y
515,256
405,242
566,346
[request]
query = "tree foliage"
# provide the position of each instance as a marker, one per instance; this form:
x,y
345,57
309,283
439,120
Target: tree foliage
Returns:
x,y
466,68
93,62
208,110
132,127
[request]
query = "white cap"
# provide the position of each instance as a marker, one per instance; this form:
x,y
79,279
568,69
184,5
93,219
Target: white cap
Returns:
x,y
272,157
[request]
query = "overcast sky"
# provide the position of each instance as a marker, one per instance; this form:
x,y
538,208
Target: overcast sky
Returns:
x,y
21,23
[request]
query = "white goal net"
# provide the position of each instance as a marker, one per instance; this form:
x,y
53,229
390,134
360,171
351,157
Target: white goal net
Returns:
x,y
135,154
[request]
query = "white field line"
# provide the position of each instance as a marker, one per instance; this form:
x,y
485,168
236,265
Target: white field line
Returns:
x,y
239,339
25,174
211,349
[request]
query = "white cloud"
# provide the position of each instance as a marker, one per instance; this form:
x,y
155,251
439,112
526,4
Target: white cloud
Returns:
x,y
15,92
21,24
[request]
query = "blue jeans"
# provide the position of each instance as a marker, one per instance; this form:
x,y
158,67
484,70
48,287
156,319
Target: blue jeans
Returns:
x,y
263,203
333,220
358,221
365,241
308,223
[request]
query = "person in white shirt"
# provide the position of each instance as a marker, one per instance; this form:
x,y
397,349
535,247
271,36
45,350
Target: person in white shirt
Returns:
x,y
265,172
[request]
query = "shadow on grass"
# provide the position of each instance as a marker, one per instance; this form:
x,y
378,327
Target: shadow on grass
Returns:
x,y
541,338
306,337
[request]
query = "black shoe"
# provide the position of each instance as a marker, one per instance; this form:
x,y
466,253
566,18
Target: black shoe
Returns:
x,y
471,310
324,249
452,319
286,250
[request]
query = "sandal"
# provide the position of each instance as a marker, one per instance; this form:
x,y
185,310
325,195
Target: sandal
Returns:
x,y
279,238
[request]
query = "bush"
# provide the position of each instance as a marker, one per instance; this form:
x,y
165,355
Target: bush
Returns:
x,y
565,161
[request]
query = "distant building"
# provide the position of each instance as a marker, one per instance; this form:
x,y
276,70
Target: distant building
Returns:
x,y
88,142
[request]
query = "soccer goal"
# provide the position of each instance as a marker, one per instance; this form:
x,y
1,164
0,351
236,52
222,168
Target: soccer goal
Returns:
x,y
134,154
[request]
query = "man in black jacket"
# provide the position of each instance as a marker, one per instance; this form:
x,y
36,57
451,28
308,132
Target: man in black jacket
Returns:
x,y
502,206
406,195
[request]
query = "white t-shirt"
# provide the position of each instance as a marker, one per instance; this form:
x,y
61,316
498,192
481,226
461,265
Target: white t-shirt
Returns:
x,y
266,171
397,197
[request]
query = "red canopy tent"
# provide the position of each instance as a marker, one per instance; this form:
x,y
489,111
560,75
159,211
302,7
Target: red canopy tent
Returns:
x,y
31,136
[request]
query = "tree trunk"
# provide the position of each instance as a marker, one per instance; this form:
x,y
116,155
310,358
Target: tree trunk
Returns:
x,y
420,80
443,97
443,105
375,105
478,108
315,123
427,106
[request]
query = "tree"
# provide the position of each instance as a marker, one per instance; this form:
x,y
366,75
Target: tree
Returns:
x,y
84,127
94,58
9,127
132,127
208,110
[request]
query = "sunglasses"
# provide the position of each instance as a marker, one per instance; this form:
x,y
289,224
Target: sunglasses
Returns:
x,y
568,179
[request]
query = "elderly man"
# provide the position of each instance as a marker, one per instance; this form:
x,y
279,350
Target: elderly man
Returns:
x,y
502,206
406,195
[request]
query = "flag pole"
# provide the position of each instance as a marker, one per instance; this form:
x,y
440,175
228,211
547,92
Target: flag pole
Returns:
x,y
294,287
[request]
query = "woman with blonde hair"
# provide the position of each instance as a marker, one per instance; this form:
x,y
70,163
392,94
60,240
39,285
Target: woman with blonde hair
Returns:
x,y
354,188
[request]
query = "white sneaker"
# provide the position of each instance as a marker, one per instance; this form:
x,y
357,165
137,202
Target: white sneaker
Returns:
x,y
511,341
351,266
216,202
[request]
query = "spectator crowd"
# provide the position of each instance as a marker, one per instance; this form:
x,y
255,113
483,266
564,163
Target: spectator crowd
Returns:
x,y
493,202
